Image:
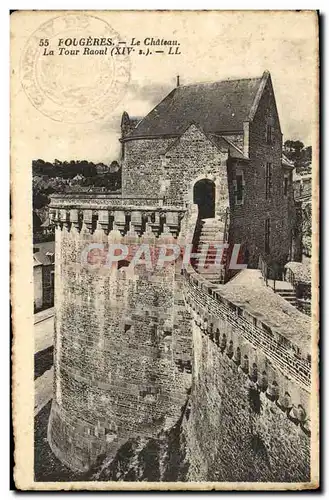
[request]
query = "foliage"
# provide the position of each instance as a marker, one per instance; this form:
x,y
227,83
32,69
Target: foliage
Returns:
x,y
300,155
76,175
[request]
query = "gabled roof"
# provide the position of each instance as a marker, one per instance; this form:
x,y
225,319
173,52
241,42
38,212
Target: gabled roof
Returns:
x,y
223,143
36,262
220,142
286,162
44,253
217,107
46,223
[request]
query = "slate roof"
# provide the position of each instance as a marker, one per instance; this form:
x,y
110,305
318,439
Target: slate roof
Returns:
x,y
217,107
36,262
286,162
301,270
219,141
223,143
42,253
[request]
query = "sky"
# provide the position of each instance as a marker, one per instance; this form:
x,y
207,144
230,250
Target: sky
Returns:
x,y
213,45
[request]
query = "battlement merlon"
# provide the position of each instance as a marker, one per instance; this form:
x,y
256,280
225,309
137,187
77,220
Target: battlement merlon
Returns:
x,y
103,211
282,345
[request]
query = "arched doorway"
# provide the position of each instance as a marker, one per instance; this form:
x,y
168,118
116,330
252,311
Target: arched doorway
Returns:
x,y
204,197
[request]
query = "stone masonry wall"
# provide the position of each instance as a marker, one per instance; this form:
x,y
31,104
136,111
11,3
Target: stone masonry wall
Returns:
x,y
37,282
193,157
248,220
170,167
142,168
233,430
122,352
233,434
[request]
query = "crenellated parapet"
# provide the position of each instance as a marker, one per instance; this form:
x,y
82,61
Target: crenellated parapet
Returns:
x,y
133,216
275,367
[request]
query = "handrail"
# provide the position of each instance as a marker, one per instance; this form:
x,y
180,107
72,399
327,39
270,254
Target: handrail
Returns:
x,y
227,224
268,272
263,267
290,275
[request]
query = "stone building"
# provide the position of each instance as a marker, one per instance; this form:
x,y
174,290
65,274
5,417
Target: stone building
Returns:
x,y
141,354
302,186
43,274
218,145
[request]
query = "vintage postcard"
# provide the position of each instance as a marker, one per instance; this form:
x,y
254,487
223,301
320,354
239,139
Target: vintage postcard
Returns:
x,y
165,218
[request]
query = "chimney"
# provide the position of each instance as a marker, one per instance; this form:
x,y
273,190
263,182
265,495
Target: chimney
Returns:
x,y
177,81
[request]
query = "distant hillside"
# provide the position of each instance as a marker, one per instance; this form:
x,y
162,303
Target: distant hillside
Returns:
x,y
61,177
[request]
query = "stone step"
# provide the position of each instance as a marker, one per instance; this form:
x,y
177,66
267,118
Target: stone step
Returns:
x,y
216,281
289,299
210,275
211,233
208,264
211,236
210,269
213,223
210,251
212,230
208,239
287,295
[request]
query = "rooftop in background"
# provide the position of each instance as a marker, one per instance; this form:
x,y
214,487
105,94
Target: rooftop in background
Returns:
x,y
303,176
43,253
302,270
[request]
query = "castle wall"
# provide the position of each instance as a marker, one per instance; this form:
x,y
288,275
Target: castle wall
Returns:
x,y
123,363
37,282
142,167
234,435
248,220
234,428
122,351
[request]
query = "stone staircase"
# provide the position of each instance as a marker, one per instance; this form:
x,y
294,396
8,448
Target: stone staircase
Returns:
x,y
285,289
289,295
212,233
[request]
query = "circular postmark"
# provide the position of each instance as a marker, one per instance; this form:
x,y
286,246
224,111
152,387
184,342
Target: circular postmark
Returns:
x,y
67,75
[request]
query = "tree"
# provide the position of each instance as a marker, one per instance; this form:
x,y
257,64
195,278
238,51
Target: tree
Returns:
x,y
297,146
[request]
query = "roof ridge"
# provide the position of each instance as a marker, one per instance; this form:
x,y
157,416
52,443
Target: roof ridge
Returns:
x,y
144,117
219,81
198,102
